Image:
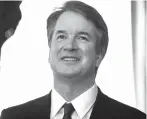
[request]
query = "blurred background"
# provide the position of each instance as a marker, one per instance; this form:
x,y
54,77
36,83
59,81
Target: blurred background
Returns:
x,y
25,73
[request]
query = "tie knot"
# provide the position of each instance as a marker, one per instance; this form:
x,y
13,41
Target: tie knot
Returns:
x,y
68,109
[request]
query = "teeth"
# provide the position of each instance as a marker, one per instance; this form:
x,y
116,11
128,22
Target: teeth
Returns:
x,y
70,59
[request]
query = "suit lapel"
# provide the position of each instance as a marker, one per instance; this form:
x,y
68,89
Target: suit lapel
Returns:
x,y
100,107
47,113
43,110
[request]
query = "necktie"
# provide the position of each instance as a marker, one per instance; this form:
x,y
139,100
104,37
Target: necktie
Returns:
x,y
68,110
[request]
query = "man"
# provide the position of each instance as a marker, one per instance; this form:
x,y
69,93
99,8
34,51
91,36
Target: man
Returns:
x,y
78,39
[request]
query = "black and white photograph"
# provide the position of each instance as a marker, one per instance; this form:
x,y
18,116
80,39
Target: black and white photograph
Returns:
x,y
73,59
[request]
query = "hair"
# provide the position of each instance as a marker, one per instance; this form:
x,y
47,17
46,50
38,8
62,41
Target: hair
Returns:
x,y
89,13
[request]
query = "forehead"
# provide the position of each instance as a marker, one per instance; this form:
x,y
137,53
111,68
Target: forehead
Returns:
x,y
73,21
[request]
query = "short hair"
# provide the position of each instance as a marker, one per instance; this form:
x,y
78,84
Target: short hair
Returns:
x,y
89,13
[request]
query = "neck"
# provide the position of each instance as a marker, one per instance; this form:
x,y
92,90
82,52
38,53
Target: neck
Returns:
x,y
70,88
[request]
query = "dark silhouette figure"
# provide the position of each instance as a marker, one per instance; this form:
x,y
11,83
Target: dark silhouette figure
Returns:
x,y
10,16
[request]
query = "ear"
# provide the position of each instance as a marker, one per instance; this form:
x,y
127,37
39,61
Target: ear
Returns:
x,y
99,58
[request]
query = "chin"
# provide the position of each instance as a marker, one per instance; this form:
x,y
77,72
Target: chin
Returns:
x,y
69,74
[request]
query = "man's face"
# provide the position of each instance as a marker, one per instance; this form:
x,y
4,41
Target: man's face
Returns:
x,y
72,52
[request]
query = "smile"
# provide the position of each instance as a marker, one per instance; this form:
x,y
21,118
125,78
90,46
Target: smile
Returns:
x,y
70,58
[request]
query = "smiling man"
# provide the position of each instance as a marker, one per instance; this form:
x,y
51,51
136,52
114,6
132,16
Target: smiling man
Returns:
x,y
73,54
78,39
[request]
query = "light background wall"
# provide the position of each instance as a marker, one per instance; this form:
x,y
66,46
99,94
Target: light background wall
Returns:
x,y
139,51
25,71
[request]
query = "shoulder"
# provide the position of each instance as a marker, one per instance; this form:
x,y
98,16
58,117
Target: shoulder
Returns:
x,y
117,109
28,110
125,110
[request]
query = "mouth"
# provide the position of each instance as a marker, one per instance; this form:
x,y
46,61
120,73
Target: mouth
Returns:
x,y
70,58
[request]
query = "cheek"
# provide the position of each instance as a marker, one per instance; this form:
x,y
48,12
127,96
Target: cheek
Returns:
x,y
88,49
53,52
89,53
54,48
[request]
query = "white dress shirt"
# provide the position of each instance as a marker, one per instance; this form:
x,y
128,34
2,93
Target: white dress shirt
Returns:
x,y
82,104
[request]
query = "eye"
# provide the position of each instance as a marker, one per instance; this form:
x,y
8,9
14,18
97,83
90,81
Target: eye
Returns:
x,y
61,37
83,38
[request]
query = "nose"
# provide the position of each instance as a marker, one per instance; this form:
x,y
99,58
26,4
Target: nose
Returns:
x,y
71,45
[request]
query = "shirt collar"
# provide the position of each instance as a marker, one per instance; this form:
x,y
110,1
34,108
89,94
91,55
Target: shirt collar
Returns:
x,y
82,103
57,101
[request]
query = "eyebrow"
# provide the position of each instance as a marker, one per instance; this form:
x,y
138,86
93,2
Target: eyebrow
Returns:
x,y
61,31
83,33
79,33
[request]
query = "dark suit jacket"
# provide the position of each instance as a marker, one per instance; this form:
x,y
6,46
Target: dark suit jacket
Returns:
x,y
104,108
